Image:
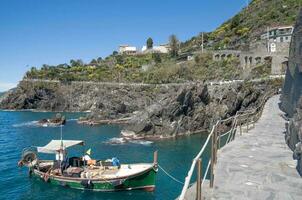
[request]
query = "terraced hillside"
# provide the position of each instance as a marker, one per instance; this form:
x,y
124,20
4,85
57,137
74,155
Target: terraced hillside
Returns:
x,y
247,25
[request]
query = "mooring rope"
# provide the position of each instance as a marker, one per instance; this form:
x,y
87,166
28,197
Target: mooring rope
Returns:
x,y
172,177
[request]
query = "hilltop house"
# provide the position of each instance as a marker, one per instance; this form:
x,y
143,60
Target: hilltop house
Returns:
x,y
273,47
126,49
278,34
163,48
131,50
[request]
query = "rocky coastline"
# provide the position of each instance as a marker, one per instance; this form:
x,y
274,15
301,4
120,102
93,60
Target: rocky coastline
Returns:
x,y
194,110
144,110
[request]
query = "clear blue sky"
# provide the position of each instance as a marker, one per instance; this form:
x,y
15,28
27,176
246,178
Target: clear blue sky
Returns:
x,y
34,32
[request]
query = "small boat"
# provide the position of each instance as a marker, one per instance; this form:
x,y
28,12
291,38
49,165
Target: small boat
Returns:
x,y
82,173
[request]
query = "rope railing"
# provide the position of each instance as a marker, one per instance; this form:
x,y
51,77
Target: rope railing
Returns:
x,y
190,173
206,172
242,118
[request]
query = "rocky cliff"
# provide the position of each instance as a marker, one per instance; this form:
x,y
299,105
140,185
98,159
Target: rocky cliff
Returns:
x,y
195,108
291,94
112,98
165,110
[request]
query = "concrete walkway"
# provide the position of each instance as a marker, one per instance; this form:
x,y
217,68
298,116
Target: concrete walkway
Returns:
x,y
257,165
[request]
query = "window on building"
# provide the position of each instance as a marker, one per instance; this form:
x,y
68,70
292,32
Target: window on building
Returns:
x,y
281,31
281,39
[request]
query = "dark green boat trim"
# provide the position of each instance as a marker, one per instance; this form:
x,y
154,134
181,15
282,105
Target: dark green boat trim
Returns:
x,y
143,180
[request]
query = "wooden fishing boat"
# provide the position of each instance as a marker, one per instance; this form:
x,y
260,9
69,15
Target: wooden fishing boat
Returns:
x,y
78,173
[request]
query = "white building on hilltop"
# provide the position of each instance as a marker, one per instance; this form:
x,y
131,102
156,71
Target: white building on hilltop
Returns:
x,y
126,49
278,34
277,39
163,48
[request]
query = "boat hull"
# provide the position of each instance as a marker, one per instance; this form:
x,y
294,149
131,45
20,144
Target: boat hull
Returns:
x,y
144,180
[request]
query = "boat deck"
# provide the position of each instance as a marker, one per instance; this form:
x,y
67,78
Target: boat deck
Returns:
x,y
100,172
124,171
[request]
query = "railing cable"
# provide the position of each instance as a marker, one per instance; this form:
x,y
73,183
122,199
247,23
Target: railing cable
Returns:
x,y
206,173
169,175
231,132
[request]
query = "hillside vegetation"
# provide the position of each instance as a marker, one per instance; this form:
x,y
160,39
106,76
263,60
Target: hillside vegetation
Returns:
x,y
142,69
247,25
236,33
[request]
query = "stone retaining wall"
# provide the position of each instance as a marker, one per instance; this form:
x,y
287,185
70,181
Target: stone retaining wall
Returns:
x,y
291,95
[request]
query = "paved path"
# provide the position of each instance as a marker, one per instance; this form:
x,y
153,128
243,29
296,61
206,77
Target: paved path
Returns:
x,y
211,83
257,165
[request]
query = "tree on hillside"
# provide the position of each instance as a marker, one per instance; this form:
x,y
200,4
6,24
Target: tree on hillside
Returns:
x,y
31,73
64,65
72,62
235,21
45,67
76,63
119,59
99,59
174,45
33,69
119,69
156,57
93,62
149,43
114,53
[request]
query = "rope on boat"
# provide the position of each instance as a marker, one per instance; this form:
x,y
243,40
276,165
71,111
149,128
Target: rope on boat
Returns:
x,y
172,177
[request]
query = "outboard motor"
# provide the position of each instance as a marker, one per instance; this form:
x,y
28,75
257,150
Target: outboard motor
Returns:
x,y
29,158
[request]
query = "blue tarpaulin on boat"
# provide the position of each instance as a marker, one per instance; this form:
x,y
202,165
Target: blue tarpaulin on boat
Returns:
x,y
115,161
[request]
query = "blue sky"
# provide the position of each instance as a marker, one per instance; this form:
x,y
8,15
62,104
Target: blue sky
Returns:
x,y
34,32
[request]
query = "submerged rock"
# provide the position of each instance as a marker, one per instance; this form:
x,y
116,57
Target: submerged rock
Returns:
x,y
55,121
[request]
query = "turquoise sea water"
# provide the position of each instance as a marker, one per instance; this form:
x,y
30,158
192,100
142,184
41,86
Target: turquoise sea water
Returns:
x,y
17,131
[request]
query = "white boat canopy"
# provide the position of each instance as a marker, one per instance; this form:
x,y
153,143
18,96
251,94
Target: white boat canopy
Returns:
x,y
55,145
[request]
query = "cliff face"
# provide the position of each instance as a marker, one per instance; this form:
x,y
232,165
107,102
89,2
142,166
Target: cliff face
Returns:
x,y
151,110
194,109
291,94
292,88
112,98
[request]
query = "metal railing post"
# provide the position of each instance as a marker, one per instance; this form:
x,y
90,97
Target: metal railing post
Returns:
x,y
212,163
247,125
219,141
215,146
240,124
239,120
199,178
254,121
234,129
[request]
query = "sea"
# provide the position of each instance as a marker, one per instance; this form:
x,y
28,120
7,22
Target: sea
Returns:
x,y
19,130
